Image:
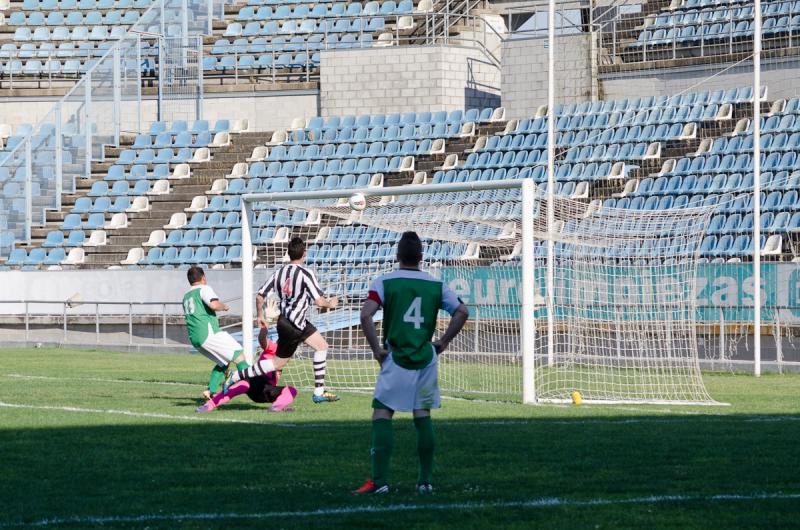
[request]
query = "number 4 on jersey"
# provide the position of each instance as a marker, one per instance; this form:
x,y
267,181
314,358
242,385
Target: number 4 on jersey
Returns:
x,y
413,314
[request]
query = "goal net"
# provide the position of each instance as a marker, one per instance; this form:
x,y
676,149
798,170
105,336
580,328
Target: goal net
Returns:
x,y
617,323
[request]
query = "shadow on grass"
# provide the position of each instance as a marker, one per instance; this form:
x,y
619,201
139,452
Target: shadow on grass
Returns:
x,y
213,467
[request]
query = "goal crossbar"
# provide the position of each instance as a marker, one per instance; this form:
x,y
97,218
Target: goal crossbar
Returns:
x,y
527,189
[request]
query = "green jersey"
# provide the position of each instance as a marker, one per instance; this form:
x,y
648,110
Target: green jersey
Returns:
x,y
411,301
201,320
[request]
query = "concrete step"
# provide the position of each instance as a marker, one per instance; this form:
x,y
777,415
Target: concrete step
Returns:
x,y
233,157
141,229
128,241
115,249
141,232
104,260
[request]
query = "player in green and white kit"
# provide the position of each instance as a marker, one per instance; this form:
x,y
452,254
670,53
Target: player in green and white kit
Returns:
x,y
200,306
408,380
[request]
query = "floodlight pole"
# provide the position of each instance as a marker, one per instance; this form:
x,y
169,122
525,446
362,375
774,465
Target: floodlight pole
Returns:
x,y
757,189
551,181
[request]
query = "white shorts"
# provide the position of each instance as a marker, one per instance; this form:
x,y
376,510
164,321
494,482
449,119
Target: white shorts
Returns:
x,y
220,347
404,390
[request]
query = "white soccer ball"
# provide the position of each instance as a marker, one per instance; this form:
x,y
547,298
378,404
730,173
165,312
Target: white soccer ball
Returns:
x,y
358,202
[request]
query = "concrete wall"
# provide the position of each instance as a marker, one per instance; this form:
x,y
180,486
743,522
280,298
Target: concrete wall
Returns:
x,y
400,79
141,287
524,77
266,111
782,79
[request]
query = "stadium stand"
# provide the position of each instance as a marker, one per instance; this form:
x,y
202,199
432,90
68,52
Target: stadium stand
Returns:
x,y
145,183
169,197
159,201
683,32
50,43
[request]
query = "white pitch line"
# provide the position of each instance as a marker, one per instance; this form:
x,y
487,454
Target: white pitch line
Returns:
x,y
677,412
131,413
680,412
452,422
543,502
100,380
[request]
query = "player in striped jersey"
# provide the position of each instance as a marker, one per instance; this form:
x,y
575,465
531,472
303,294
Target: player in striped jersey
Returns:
x,y
297,288
408,380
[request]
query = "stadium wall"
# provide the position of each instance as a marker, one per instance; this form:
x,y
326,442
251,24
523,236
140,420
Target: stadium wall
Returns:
x,y
403,78
141,287
524,73
728,287
266,110
718,287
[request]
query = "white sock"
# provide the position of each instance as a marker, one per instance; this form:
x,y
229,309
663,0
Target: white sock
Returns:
x,y
260,368
320,358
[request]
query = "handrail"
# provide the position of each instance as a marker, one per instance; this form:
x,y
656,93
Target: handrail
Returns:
x,y
700,12
270,72
87,75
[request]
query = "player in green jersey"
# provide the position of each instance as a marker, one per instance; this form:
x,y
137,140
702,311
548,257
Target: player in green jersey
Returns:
x,y
408,379
200,306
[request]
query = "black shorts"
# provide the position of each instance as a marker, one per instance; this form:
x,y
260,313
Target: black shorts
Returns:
x,y
262,390
290,337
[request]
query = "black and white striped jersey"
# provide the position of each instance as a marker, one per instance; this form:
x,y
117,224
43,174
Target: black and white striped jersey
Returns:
x,y
296,288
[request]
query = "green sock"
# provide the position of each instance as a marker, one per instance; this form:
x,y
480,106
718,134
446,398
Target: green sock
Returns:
x,y
241,365
381,451
426,443
216,379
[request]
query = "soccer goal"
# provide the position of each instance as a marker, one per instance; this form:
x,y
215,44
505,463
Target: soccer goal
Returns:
x,y
564,296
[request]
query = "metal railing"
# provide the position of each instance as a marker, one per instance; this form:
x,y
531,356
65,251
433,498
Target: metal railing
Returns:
x,y
76,321
701,43
308,68
107,99
724,332
103,103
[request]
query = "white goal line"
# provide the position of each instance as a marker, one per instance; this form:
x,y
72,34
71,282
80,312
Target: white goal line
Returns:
x,y
536,503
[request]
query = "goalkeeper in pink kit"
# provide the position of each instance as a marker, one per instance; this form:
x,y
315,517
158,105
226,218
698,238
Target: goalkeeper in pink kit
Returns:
x,y
260,389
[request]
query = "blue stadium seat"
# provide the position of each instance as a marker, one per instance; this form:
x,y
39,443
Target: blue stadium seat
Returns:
x,y
95,221
54,257
218,255
55,238
75,238
101,205
36,257
17,257
120,205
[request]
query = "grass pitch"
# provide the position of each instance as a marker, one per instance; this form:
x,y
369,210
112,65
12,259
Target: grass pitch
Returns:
x,y
109,440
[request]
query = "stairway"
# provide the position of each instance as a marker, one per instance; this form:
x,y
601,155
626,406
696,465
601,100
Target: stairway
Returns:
x,y
182,191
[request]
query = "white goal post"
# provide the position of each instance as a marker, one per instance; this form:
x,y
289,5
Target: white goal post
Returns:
x,y
614,319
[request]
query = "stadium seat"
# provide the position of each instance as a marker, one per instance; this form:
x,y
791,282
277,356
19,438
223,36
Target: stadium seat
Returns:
x,y
54,238
76,256
135,255
17,257
71,222
76,238
54,257
35,258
